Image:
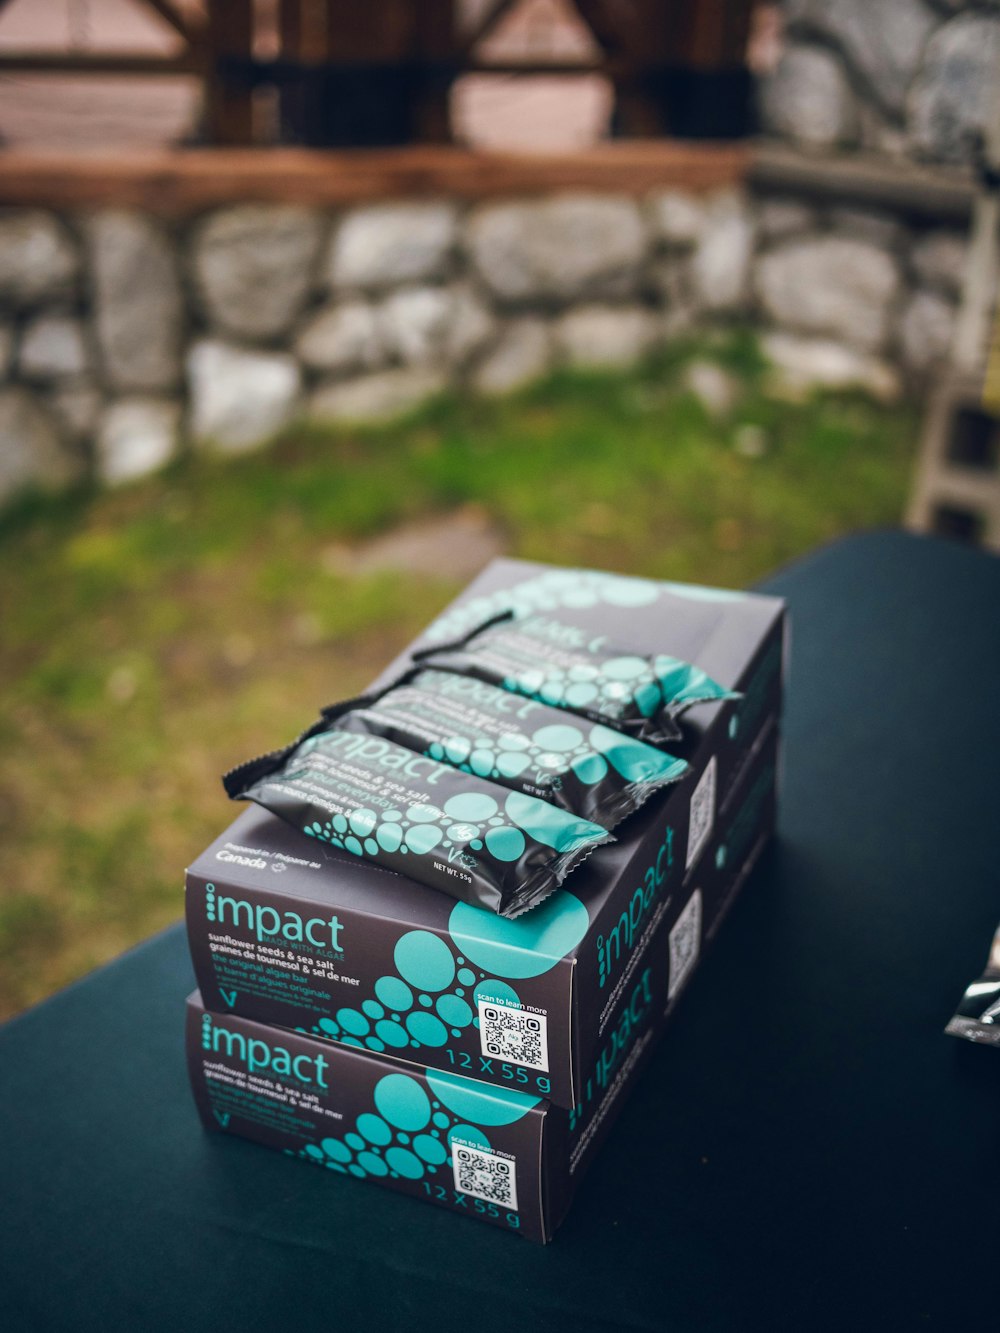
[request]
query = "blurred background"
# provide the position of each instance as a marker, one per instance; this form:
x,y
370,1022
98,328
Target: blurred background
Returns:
x,y
308,308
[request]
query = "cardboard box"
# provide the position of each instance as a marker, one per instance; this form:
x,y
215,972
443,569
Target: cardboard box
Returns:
x,y
289,931
505,1156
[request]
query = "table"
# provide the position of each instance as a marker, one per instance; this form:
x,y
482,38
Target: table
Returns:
x,y
807,1150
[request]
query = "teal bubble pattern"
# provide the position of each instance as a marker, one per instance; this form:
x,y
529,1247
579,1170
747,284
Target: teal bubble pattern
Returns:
x,y
528,946
465,822
610,687
577,588
387,1144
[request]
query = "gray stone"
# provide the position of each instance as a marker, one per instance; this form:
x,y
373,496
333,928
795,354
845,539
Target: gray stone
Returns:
x,y
52,347
522,353
882,40
77,404
879,135
138,304
31,454
679,320
720,264
950,99
428,326
780,217
343,336
240,398
830,285
715,388
800,365
413,323
473,325
662,276
255,265
38,258
867,224
670,277
137,436
385,244
926,327
565,248
938,258
377,398
597,335
808,98
676,217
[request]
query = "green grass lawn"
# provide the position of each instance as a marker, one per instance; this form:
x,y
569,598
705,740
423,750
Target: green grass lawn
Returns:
x,y
156,635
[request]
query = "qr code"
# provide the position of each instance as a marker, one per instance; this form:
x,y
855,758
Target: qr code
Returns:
x,y
702,813
685,944
485,1176
514,1035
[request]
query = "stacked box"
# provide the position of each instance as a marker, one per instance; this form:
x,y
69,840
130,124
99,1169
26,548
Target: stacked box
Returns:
x,y
343,967
506,1156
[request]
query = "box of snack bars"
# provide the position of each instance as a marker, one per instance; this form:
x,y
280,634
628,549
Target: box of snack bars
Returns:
x,y
288,928
491,1151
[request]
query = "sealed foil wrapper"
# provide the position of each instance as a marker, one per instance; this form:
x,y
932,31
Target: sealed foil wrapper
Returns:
x,y
470,838
584,767
562,665
977,1017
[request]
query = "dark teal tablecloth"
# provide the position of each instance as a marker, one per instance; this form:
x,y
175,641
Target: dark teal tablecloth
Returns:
x,y
807,1151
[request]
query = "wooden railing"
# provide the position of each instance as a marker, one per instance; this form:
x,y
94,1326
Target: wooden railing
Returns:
x,y
380,71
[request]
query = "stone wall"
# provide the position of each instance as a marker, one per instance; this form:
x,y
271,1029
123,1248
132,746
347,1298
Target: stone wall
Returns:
x,y
124,339
908,78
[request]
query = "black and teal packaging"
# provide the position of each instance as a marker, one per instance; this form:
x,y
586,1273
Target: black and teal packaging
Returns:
x,y
582,767
292,931
497,1153
458,833
977,1017
555,661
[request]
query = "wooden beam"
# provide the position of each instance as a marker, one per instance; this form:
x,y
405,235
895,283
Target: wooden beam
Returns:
x,y
608,31
371,33
315,35
714,34
538,68
290,32
436,47
435,30
229,43
176,20
485,25
123,62
182,182
185,180
859,178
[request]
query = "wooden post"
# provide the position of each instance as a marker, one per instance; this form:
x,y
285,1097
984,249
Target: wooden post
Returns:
x,y
656,45
437,51
370,33
229,48
372,71
290,30
629,33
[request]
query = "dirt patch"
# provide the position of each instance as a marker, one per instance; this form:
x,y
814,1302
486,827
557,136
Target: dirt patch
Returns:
x,y
452,546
